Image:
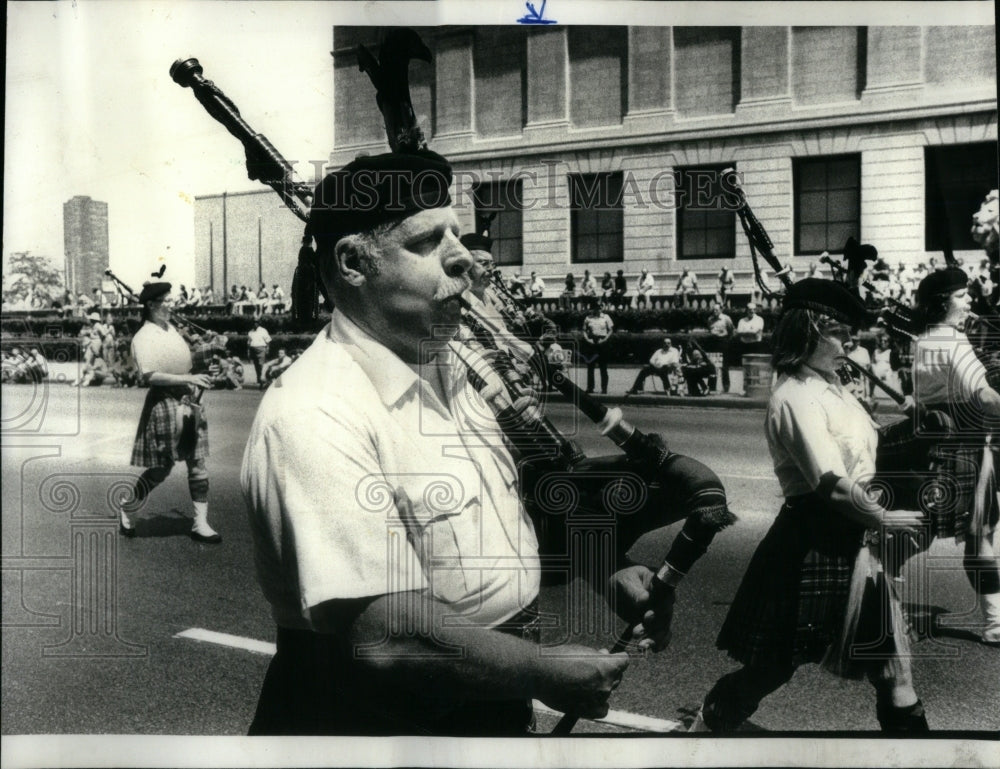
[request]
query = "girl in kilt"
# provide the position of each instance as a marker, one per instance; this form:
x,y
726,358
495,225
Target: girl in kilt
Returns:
x,y
169,428
813,591
948,376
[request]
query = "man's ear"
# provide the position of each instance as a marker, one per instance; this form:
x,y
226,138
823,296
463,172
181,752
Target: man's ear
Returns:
x,y
349,261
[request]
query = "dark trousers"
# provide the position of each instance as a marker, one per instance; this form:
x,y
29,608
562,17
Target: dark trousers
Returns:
x,y
595,357
647,371
259,357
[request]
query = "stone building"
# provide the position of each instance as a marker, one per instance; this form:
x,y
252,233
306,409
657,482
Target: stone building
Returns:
x,y
85,242
600,147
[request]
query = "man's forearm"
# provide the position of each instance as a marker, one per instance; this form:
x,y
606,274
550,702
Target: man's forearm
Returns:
x,y
463,662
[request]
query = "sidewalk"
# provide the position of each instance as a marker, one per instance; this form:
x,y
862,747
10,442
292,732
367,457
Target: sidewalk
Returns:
x,y
620,379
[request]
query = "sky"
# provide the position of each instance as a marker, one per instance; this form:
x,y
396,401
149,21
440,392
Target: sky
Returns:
x,y
91,110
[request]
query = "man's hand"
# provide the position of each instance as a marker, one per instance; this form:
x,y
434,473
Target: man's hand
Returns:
x,y
631,590
578,680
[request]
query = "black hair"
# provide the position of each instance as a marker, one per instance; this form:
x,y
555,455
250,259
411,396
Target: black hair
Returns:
x,y
931,310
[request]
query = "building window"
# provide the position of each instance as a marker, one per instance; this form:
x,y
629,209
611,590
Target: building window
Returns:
x,y
827,203
595,202
706,220
502,204
956,179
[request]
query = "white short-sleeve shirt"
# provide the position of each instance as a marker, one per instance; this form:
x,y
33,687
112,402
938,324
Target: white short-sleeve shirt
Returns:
x,y
815,427
160,350
361,482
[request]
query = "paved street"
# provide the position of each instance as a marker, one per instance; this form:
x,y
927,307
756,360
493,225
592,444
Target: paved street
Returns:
x,y
91,621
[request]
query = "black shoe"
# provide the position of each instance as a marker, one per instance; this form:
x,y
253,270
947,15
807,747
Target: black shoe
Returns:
x,y
130,532
210,539
631,392
590,392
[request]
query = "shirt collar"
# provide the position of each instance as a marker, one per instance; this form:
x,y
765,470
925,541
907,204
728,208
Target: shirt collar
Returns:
x,y
392,378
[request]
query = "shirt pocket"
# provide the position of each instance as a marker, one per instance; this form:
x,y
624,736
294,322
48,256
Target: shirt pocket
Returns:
x,y
437,511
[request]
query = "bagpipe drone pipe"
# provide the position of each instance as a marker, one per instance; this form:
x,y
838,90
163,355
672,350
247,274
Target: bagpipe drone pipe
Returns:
x,y
625,495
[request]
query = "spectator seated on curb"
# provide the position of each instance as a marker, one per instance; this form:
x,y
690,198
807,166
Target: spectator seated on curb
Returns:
x,y
666,364
275,367
699,373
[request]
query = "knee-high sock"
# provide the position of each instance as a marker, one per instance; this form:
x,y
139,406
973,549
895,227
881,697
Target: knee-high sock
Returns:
x,y
149,480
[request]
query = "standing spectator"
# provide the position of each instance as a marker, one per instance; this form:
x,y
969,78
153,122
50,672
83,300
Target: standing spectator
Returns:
x,y
699,373
597,329
721,327
257,341
725,287
569,291
750,329
749,333
537,286
621,289
646,285
277,299
665,362
589,285
687,286
195,299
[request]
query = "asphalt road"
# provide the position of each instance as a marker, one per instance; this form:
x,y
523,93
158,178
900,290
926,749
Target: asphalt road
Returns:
x,y
91,620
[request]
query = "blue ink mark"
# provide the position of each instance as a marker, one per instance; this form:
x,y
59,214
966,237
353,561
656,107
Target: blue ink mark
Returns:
x,y
535,17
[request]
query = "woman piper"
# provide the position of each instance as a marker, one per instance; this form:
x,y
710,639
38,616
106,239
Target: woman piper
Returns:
x,y
812,591
170,427
949,377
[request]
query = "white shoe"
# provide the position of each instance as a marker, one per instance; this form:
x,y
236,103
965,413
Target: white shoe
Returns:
x,y
125,526
991,618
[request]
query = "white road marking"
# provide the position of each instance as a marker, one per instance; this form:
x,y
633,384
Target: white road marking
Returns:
x,y
614,717
625,720
225,639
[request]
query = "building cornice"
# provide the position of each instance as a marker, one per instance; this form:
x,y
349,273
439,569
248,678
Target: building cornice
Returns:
x,y
680,130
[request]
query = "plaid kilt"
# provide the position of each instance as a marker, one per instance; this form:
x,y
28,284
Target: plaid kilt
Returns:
x,y
159,430
791,604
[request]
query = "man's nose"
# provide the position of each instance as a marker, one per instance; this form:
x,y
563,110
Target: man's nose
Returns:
x,y
457,260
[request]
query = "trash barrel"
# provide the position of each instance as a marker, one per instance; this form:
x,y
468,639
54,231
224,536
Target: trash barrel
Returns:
x,y
757,376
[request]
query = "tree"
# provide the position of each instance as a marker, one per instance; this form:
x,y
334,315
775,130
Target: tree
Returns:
x,y
31,278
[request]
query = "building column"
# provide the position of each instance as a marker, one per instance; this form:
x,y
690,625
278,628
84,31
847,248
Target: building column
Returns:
x,y
764,71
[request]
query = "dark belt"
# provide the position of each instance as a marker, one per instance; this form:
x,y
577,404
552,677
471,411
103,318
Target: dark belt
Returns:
x,y
526,624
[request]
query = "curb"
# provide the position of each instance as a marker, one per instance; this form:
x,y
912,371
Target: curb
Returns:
x,y
651,399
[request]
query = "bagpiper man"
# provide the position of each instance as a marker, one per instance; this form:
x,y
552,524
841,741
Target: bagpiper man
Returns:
x,y
172,426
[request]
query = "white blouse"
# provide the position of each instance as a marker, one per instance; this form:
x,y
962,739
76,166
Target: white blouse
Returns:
x,y
815,427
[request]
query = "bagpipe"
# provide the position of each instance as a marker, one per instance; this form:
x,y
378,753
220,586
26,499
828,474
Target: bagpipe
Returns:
x,y
644,487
